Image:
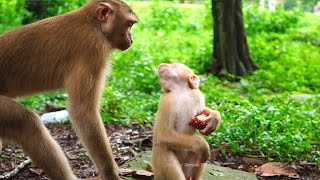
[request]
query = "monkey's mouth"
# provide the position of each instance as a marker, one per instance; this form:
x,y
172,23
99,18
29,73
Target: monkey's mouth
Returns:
x,y
125,46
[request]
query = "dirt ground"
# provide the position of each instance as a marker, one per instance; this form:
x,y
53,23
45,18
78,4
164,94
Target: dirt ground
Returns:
x,y
126,142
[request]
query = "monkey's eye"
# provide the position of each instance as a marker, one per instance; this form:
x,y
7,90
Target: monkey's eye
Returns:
x,y
130,24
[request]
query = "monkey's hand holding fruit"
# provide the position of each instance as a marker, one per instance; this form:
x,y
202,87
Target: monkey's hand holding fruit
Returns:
x,y
207,121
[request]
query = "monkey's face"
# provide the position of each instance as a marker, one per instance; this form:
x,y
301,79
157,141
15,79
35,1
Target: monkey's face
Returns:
x,y
177,77
123,34
116,24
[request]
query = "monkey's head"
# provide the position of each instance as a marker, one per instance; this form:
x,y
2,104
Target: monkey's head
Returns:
x,y
116,19
177,77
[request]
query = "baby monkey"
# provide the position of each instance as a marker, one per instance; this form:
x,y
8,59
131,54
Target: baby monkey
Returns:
x,y
178,154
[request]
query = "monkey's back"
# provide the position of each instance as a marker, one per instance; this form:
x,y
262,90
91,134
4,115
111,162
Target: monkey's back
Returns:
x,y
179,107
49,43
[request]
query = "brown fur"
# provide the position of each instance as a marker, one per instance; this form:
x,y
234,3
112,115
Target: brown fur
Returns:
x,y
68,51
177,152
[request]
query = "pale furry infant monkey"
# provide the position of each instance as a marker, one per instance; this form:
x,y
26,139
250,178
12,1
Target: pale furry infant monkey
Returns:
x,y
179,154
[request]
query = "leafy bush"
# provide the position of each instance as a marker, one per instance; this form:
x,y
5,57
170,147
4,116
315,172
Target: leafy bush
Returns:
x,y
163,16
265,21
265,126
48,8
11,13
309,30
38,102
286,65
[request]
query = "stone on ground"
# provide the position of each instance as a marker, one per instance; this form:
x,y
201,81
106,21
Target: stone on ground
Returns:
x,y
212,172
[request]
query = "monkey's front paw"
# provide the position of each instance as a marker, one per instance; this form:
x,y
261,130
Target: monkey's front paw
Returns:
x,y
213,121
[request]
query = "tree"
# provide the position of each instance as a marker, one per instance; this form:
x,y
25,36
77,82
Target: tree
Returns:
x,y
231,52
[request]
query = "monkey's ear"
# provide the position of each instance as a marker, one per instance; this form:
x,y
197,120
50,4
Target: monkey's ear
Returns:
x,y
103,11
194,81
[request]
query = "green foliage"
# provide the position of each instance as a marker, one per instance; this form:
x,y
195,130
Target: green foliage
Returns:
x,y
11,13
277,126
305,5
308,30
265,21
163,16
38,102
48,8
260,115
291,66
54,7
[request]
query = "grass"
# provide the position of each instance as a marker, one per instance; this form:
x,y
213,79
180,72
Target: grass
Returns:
x,y
260,115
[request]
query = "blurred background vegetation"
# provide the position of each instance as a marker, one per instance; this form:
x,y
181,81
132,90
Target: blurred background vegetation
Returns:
x,y
273,112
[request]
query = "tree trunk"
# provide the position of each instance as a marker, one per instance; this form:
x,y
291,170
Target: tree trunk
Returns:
x,y
231,52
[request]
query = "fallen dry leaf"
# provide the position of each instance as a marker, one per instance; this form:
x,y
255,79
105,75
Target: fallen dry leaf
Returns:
x,y
139,174
276,169
142,174
37,171
147,142
253,161
126,172
71,156
215,153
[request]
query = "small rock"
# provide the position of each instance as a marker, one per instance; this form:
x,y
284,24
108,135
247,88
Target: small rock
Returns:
x,y
55,117
142,161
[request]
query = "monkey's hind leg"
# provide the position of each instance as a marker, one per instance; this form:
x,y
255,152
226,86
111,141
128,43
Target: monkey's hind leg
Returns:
x,y
168,167
198,171
23,127
192,167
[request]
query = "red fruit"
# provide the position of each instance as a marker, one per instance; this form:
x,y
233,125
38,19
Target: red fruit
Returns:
x,y
206,113
198,124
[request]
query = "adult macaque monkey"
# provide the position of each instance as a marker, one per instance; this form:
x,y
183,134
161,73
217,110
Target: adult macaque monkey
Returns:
x,y
177,152
68,51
